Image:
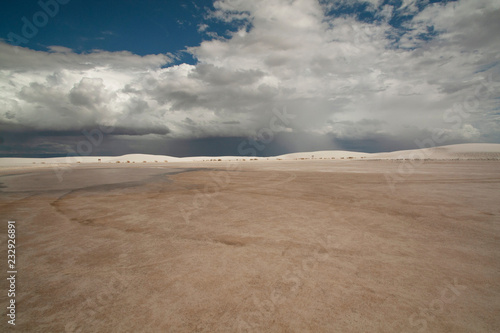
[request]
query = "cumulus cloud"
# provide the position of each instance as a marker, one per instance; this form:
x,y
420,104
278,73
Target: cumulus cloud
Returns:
x,y
344,79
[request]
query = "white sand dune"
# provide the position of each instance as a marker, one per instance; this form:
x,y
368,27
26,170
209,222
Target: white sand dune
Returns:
x,y
469,151
459,151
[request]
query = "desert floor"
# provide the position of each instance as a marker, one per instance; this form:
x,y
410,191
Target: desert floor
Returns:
x,y
264,246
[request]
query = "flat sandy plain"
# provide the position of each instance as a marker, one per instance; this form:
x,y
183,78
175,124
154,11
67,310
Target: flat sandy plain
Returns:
x,y
263,246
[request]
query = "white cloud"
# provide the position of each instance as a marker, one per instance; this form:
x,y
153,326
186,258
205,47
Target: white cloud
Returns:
x,y
409,7
339,76
202,27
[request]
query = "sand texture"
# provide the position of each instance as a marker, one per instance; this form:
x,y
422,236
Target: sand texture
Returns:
x,y
260,246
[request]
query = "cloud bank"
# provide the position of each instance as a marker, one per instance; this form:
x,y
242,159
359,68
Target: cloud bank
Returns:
x,y
383,81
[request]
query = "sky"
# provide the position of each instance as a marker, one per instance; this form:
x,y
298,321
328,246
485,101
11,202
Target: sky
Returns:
x,y
246,77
